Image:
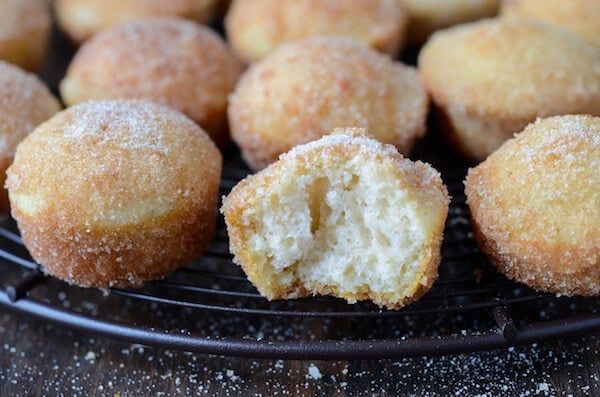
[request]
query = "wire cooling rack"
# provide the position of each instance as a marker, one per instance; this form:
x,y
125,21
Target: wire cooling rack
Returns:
x,y
210,307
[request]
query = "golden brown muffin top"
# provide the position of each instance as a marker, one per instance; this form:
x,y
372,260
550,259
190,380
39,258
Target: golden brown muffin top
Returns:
x,y
83,18
113,163
20,16
307,88
25,102
540,191
522,68
581,17
167,60
256,27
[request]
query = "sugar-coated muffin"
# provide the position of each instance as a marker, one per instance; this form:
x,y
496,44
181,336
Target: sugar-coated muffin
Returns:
x,y
535,204
25,102
344,215
303,90
581,17
114,193
81,19
489,79
171,61
427,16
24,33
256,27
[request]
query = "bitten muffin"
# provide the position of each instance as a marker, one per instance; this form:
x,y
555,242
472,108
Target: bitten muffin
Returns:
x,y
535,204
427,16
81,19
256,27
24,33
489,79
25,102
114,193
305,89
581,17
345,216
171,61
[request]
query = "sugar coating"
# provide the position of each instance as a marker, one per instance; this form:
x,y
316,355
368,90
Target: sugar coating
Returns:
x,y
491,78
536,205
20,17
581,17
24,33
514,67
25,102
106,139
357,139
304,90
113,193
345,136
81,19
167,60
257,27
121,123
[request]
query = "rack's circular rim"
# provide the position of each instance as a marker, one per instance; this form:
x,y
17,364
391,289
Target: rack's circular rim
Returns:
x,y
305,350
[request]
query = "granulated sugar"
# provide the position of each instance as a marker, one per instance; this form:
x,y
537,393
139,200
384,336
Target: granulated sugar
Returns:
x,y
75,366
313,372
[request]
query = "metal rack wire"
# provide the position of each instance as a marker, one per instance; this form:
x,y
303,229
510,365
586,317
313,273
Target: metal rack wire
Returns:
x,y
210,307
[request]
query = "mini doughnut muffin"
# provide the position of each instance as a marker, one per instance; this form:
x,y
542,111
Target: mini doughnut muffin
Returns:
x,y
345,216
171,61
256,27
581,17
427,16
81,19
535,204
24,33
489,79
25,102
114,193
305,89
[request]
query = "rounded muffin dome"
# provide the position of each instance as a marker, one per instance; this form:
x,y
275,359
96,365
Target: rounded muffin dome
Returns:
x,y
304,90
113,193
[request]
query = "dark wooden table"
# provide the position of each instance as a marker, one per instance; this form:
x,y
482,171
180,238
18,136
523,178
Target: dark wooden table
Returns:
x,y
41,359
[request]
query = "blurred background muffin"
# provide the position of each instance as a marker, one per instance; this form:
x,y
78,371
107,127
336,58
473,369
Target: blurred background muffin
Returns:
x,y
581,17
257,27
24,33
80,19
171,61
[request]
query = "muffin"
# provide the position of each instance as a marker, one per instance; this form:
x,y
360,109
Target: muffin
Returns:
x,y
24,33
256,27
305,89
581,17
535,204
81,19
166,60
25,102
489,79
114,193
345,216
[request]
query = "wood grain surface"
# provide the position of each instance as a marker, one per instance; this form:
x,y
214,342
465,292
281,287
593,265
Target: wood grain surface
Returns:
x,y
39,359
